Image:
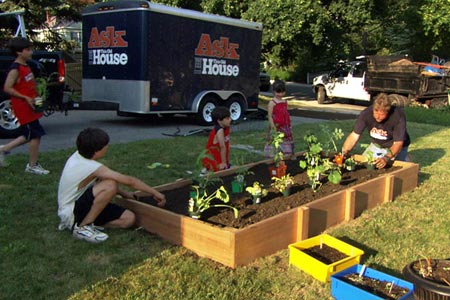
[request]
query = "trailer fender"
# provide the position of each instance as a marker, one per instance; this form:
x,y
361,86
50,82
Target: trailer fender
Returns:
x,y
206,101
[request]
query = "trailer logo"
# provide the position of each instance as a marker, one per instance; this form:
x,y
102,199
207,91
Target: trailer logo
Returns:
x,y
107,40
217,53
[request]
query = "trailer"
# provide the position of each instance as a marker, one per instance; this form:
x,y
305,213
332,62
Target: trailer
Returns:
x,y
145,58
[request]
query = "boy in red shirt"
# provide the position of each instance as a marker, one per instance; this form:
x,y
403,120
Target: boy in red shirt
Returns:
x,y
21,86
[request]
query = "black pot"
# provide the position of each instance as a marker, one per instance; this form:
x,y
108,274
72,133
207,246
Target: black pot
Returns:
x,y
425,289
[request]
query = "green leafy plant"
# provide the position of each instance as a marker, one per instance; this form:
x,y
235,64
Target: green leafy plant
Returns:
x,y
257,191
200,176
332,138
276,138
41,88
350,164
241,173
201,201
316,166
283,183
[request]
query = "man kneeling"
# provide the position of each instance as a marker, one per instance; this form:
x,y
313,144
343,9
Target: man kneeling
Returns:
x,y
86,188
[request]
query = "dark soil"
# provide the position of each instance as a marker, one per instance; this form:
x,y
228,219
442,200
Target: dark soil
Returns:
x,y
437,271
274,203
325,254
377,287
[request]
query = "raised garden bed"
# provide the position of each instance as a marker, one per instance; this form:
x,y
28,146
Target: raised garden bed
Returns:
x,y
239,244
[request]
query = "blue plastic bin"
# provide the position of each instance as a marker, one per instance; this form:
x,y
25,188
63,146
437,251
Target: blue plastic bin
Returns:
x,y
342,290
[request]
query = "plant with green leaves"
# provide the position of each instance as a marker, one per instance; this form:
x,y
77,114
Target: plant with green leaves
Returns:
x,y
257,191
283,183
350,164
201,178
41,88
276,139
333,137
201,201
316,166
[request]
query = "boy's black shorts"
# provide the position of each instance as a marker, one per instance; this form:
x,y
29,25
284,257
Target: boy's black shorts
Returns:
x,y
32,130
83,205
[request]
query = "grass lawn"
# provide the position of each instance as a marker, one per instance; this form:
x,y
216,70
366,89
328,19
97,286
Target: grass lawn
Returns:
x,y
39,262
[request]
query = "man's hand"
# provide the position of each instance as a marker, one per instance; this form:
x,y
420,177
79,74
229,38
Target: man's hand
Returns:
x,y
381,162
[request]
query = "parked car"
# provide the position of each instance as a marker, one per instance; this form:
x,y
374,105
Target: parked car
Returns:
x,y
264,82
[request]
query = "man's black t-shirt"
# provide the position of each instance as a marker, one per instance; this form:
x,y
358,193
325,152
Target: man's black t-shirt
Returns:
x,y
392,129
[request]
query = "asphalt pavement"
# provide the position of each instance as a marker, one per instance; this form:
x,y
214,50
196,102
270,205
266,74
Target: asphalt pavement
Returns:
x,y
62,130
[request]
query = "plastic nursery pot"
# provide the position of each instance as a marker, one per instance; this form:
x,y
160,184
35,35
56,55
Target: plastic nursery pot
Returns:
x,y
425,289
279,171
194,215
342,289
256,199
286,192
370,166
237,187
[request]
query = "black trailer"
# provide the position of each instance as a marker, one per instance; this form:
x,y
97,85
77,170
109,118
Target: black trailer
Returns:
x,y
148,58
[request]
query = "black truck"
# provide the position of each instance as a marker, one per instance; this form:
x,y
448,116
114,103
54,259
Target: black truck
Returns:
x,y
146,58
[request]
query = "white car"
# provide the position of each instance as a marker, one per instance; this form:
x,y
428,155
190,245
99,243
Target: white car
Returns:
x,y
347,81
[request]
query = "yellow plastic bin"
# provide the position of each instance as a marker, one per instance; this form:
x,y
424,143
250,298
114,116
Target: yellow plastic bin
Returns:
x,y
316,268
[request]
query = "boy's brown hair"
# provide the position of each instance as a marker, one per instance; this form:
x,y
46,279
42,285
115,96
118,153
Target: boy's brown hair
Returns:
x,y
17,44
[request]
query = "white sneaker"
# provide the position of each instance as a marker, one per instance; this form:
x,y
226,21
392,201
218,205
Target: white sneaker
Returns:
x,y
36,169
89,233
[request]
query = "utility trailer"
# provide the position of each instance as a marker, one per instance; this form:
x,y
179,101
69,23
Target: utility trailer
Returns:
x,y
146,58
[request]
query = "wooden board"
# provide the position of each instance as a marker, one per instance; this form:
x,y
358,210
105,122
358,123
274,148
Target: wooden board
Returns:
x,y
236,247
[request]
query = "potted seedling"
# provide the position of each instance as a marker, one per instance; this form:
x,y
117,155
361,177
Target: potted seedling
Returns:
x,y
350,164
316,166
370,160
339,160
200,176
330,146
201,201
283,184
40,100
431,278
257,191
362,282
280,167
238,183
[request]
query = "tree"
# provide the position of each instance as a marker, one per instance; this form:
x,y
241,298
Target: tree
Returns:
x,y
436,22
36,13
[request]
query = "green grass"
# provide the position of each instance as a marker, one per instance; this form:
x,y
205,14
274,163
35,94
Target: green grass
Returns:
x,y
39,262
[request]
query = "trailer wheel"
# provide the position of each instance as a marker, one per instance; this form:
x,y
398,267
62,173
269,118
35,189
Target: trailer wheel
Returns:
x,y
321,95
9,125
204,112
399,100
236,107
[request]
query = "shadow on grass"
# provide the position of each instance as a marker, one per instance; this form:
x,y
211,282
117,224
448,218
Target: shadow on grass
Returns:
x,y
368,252
426,157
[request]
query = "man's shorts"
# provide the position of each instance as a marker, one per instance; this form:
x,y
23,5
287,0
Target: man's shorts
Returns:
x,y
32,130
83,205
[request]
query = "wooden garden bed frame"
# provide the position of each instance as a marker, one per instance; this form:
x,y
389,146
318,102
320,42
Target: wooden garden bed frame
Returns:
x,y
236,247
